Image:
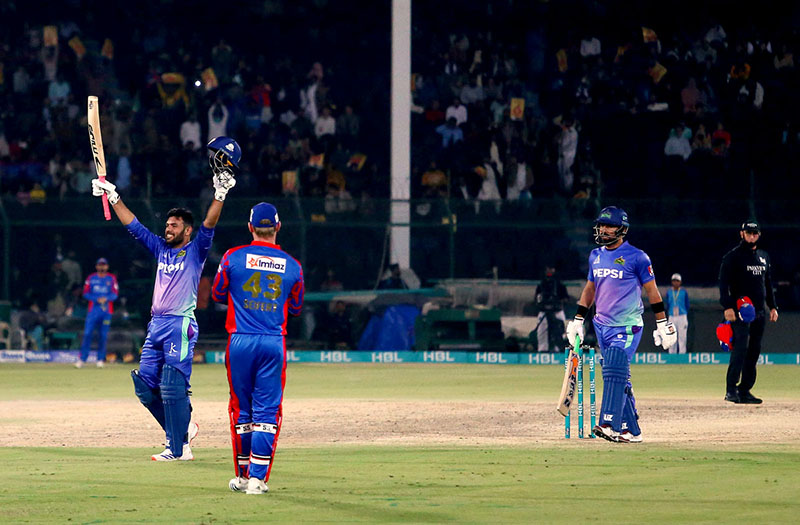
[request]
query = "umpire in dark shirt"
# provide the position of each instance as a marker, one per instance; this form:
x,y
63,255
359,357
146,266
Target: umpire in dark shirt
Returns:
x,y
745,271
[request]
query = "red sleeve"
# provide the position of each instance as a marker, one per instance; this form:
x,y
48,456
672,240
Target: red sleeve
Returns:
x,y
219,291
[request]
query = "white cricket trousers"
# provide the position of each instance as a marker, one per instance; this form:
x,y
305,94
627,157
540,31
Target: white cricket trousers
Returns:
x,y
681,323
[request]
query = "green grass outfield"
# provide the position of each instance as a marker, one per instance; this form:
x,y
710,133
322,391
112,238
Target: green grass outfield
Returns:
x,y
569,482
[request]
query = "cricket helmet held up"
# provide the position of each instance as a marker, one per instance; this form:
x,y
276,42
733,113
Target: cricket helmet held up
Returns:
x,y
226,154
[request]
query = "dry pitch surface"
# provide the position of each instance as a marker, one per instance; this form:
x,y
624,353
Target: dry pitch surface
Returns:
x,y
312,422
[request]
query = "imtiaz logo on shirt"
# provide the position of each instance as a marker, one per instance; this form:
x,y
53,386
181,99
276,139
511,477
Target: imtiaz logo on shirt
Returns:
x,y
266,263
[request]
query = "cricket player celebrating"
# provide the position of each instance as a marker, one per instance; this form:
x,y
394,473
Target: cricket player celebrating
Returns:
x,y
617,274
165,367
262,285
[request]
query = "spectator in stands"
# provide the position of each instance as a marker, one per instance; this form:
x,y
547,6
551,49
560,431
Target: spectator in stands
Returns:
x,y
217,120
57,289
567,142
338,199
458,111
393,281
489,191
326,124
222,60
124,174
331,282
720,141
691,98
190,133
520,180
72,268
450,132
472,93
348,127
33,323
678,144
59,90
339,328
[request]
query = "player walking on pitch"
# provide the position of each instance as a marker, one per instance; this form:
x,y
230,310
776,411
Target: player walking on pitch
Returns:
x,y
262,285
165,367
617,274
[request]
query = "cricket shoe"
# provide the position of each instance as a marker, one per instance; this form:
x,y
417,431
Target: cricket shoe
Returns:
x,y
238,484
627,437
746,398
606,432
101,364
167,455
78,364
733,397
256,486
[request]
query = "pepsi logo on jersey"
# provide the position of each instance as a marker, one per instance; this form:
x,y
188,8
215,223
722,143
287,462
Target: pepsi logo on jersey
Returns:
x,y
169,268
266,263
607,272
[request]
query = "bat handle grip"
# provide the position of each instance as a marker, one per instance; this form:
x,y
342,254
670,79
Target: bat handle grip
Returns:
x,y
106,209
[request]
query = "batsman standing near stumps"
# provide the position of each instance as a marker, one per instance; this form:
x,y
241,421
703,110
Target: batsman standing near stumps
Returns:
x,y
617,274
165,367
262,285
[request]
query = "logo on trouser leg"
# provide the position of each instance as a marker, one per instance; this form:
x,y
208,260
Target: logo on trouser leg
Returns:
x,y
608,417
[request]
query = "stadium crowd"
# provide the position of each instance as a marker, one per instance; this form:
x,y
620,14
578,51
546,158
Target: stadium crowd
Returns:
x,y
520,109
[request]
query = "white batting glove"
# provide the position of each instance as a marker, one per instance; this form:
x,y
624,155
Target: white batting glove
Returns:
x,y
574,329
665,334
104,187
223,182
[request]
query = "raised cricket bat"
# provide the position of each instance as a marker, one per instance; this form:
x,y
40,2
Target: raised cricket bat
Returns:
x,y
570,381
96,143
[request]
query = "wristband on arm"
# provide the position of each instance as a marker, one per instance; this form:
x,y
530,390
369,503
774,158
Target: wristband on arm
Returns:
x,y
657,307
581,313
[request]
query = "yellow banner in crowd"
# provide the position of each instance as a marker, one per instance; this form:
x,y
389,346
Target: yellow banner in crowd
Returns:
x,y
77,46
517,108
50,36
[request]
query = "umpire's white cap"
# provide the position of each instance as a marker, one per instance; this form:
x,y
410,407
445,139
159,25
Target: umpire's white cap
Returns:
x,y
676,277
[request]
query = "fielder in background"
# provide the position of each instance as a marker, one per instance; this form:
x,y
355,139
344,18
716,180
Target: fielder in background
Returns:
x,y
678,309
262,285
745,284
617,274
165,367
100,289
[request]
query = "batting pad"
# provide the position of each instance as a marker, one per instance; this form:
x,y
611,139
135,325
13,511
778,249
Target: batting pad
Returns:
x,y
150,398
177,411
615,379
630,418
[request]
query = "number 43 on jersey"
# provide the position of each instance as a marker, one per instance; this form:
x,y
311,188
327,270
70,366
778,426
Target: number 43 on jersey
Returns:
x,y
269,288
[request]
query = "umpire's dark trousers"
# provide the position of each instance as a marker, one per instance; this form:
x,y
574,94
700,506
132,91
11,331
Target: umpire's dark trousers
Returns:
x,y
746,349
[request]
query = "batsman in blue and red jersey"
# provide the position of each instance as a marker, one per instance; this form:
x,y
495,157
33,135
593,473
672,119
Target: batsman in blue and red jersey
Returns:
x,y
165,368
100,289
262,285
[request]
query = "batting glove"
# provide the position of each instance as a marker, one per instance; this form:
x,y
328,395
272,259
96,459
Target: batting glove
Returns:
x,y
665,334
575,329
104,187
223,182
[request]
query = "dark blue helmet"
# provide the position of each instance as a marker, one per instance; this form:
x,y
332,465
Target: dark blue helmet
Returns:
x,y
226,154
611,216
